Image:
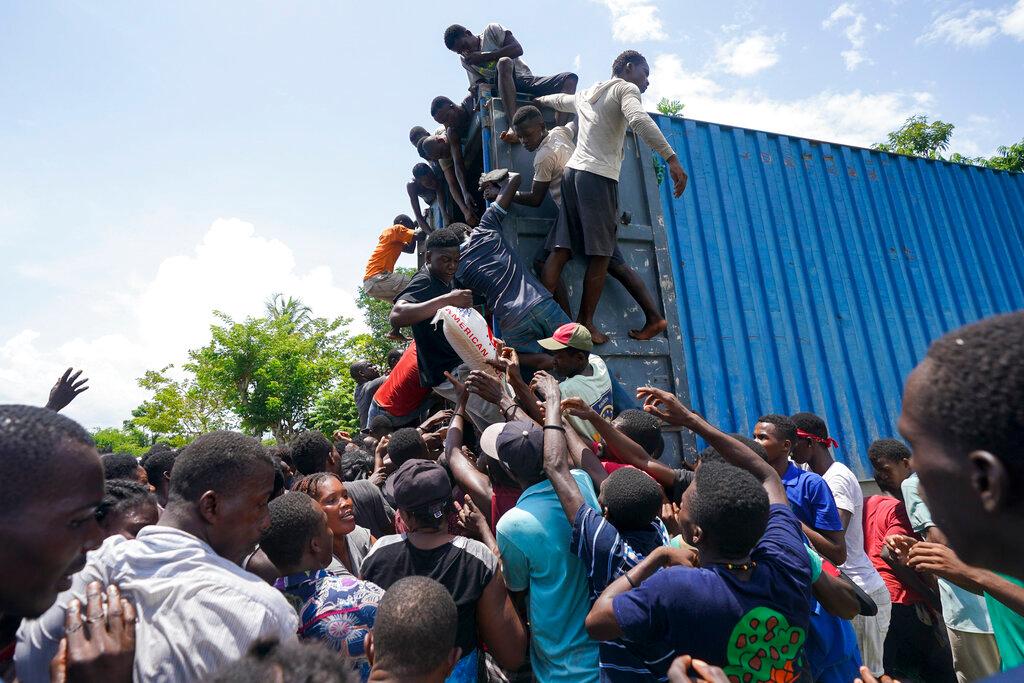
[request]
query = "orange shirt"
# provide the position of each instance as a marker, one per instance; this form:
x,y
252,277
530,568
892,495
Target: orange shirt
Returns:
x,y
389,248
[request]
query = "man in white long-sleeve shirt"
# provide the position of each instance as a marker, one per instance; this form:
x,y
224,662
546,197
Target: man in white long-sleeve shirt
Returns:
x,y
589,213
197,608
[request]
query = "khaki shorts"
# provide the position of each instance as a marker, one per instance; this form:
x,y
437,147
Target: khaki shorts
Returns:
x,y
386,286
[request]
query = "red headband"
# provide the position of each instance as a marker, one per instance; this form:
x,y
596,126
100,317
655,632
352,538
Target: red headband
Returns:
x,y
814,437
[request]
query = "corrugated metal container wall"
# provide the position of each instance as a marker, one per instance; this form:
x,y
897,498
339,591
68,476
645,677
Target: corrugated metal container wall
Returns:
x,y
813,276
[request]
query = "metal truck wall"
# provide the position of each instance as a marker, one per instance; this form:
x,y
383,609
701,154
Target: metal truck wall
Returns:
x,y
812,276
658,362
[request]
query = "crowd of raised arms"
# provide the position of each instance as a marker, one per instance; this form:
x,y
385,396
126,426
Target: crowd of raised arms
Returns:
x,y
516,523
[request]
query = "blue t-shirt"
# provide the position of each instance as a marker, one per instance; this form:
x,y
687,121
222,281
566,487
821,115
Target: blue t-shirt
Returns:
x,y
489,265
754,627
533,539
606,555
811,499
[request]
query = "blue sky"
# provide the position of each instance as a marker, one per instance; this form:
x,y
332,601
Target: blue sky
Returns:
x,y
159,160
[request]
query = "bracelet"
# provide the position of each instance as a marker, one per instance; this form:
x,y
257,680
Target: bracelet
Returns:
x,y
558,427
504,413
629,579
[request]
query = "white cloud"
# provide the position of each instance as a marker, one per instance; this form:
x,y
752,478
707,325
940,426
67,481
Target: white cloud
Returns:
x,y
968,27
748,55
854,32
634,20
232,269
856,117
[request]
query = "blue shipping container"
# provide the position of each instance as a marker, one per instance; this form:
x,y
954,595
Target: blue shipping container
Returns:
x,y
813,276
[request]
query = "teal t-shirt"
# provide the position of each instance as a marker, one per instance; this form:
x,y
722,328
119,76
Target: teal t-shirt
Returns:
x,y
1008,627
961,610
533,538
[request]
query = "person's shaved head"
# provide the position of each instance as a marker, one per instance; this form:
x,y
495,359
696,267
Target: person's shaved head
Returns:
x,y
51,482
414,634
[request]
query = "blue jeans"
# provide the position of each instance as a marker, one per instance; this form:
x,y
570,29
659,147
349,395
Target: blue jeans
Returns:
x,y
404,421
540,322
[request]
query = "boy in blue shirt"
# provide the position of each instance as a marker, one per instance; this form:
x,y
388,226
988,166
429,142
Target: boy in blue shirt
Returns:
x,y
747,607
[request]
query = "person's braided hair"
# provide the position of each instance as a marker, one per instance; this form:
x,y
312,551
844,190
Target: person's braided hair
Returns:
x,y
311,483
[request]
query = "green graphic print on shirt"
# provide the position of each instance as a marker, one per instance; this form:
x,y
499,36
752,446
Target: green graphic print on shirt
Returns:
x,y
764,648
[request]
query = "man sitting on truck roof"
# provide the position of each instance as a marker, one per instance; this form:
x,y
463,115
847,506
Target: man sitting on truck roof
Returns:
x,y
589,219
493,57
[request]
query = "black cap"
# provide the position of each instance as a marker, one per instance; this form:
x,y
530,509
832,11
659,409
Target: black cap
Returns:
x,y
519,446
421,485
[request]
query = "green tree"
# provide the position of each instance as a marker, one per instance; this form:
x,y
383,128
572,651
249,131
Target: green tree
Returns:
x,y
1009,158
127,439
270,371
919,137
179,411
670,107
288,309
336,409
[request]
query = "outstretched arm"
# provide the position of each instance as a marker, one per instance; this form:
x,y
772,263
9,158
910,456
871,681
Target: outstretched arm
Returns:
x,y
666,406
508,191
644,126
456,192
559,102
417,211
455,144
469,478
407,313
556,450
620,445
535,195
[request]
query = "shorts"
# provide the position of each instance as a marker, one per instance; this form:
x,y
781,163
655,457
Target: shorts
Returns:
x,y
588,220
871,631
385,286
535,86
540,322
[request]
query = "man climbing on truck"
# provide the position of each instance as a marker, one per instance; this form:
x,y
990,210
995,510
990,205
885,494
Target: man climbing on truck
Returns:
x,y
589,216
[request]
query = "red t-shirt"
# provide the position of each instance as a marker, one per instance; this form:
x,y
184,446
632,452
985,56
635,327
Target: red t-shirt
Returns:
x,y
503,499
885,516
401,392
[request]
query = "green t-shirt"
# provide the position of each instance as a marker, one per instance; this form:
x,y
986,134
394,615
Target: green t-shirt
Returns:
x,y
1009,629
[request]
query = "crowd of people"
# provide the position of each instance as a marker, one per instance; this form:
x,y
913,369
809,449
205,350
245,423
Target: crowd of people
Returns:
x,y
516,522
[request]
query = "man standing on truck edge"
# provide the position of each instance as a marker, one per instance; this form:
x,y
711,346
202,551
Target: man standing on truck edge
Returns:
x,y
590,195
380,281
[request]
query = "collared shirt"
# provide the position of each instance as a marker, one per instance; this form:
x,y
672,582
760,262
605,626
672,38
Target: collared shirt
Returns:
x,y
197,611
962,610
811,499
533,538
336,610
606,556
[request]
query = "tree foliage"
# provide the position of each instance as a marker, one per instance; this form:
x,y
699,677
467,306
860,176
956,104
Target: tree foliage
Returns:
x,y
127,439
179,411
670,107
930,139
270,371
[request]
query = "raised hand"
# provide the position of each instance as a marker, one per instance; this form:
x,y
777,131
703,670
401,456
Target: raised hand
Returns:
x,y
867,677
66,389
485,385
546,386
666,406
679,178
577,407
938,559
100,647
437,419
471,520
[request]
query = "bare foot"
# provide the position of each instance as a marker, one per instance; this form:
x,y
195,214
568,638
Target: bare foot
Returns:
x,y
395,335
650,330
510,137
596,335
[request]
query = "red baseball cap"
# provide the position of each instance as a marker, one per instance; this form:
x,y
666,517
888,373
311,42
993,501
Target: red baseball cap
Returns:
x,y
569,335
